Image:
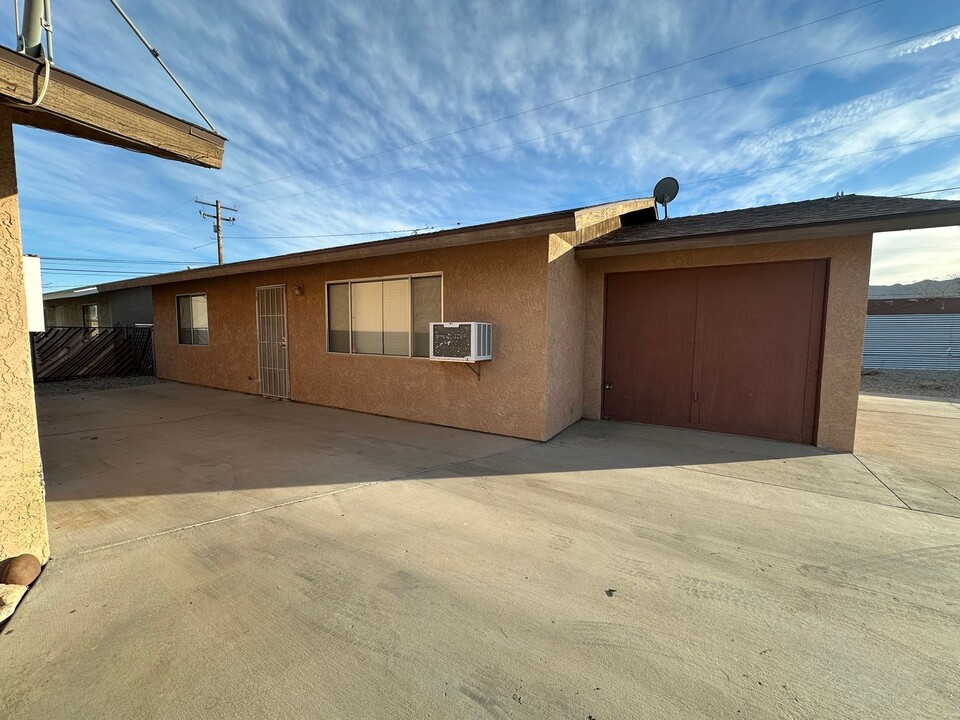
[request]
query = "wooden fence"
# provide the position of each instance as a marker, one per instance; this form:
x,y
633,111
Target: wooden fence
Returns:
x,y
63,353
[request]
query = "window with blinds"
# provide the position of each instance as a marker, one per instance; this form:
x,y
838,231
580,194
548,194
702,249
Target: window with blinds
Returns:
x,y
383,317
192,319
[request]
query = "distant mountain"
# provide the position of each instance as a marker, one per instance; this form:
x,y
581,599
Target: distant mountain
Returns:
x,y
920,289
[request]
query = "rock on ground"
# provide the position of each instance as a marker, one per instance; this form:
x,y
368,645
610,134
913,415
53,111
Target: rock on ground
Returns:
x,y
919,383
87,385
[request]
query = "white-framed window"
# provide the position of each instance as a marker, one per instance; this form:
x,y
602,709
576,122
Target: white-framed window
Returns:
x,y
384,316
192,326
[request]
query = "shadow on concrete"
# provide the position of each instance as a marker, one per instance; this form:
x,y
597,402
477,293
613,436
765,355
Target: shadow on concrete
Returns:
x,y
173,438
126,464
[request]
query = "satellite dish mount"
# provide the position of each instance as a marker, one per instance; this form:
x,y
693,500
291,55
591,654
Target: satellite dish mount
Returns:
x,y
664,192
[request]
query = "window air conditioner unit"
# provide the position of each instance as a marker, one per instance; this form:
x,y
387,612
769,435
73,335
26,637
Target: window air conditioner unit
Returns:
x,y
461,341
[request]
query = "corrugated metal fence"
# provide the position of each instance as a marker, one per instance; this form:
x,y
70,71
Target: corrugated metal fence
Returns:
x,y
62,353
916,342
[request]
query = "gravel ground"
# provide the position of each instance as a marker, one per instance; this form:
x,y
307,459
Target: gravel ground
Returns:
x,y
88,385
921,383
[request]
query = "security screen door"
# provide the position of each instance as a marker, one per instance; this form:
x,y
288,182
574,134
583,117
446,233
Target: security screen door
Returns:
x,y
272,341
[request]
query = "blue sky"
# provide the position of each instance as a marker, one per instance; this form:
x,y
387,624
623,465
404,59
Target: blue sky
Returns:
x,y
301,89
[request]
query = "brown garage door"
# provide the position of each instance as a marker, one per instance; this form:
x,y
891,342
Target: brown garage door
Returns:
x,y
730,349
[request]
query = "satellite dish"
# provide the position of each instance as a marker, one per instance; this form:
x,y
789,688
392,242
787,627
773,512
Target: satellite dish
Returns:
x,y
664,192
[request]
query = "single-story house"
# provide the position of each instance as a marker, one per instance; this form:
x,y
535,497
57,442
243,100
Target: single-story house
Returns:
x,y
747,322
100,306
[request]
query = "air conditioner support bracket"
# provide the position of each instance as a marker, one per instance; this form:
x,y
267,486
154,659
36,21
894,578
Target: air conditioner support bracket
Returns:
x,y
475,367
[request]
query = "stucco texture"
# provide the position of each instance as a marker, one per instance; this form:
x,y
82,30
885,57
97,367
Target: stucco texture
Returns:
x,y
23,523
502,282
845,316
566,325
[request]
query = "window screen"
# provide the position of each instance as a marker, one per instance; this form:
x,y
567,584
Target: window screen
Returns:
x,y
426,309
366,302
192,320
338,317
396,317
383,317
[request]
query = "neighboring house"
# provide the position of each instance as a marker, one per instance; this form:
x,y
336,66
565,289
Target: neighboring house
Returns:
x,y
926,297
748,322
101,306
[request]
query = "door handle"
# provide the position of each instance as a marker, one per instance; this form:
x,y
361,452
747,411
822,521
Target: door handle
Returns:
x,y
608,386
283,342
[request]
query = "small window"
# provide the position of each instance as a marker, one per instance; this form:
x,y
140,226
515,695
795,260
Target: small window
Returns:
x,y
91,316
383,317
192,319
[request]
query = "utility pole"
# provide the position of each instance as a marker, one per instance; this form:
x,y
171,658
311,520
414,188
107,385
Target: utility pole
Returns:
x,y
218,221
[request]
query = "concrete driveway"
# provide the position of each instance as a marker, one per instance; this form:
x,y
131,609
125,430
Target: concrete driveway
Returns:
x,y
223,556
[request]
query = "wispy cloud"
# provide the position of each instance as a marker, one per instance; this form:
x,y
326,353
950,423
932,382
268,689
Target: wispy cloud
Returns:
x,y
297,86
929,41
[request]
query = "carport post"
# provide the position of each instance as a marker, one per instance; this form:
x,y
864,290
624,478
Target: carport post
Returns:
x,y
23,518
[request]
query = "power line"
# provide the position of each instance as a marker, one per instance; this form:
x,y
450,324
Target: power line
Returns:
x,y
328,235
930,192
554,103
603,121
52,258
64,271
175,231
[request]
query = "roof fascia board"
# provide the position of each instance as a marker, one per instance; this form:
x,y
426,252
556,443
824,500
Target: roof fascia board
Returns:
x,y
420,243
585,217
813,231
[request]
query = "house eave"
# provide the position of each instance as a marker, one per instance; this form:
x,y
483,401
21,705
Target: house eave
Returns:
x,y
810,231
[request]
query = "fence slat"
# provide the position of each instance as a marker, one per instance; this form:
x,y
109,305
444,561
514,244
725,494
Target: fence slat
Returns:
x,y
912,342
64,353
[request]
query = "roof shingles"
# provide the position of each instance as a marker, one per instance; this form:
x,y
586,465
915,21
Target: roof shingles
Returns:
x,y
824,211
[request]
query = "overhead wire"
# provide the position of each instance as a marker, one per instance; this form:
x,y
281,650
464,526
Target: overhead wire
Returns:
x,y
327,235
603,121
520,113
553,103
930,192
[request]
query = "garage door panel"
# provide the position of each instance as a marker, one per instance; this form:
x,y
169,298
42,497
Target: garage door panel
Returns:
x,y
731,349
753,349
649,369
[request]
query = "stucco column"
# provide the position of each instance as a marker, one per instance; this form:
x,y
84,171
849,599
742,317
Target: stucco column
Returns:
x,y
23,518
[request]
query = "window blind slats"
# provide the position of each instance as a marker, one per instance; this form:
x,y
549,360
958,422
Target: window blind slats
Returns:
x,y
338,317
367,309
396,317
383,317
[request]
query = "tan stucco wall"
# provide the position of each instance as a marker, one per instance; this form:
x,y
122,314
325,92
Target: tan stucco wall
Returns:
x,y
848,276
503,283
566,318
23,520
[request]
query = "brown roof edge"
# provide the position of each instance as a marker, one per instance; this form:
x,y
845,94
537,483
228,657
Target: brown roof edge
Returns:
x,y
885,223
513,229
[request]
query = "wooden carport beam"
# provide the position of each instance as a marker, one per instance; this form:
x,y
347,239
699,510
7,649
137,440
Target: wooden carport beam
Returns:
x,y
70,106
74,106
